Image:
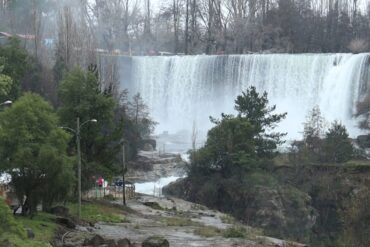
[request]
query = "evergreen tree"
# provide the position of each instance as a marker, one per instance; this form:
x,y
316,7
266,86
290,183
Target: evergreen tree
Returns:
x,y
81,97
254,108
313,135
338,147
239,142
139,114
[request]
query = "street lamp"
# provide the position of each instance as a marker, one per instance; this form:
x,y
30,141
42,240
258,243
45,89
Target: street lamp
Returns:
x,y
78,140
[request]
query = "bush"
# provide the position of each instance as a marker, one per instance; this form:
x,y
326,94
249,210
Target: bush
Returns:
x,y
235,232
8,223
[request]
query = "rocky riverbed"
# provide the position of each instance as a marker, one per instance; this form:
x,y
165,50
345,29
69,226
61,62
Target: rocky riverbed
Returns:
x,y
180,222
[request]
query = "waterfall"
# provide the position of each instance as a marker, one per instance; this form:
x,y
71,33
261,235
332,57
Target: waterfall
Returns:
x,y
181,90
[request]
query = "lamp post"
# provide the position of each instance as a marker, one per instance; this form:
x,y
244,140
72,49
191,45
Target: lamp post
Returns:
x,y
78,143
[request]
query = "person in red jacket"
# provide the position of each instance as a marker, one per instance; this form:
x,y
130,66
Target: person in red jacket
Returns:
x,y
100,182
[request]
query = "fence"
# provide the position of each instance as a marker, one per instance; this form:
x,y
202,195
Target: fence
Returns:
x,y
111,191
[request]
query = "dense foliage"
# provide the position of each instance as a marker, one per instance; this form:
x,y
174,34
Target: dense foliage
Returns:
x,y
239,142
33,151
320,145
15,64
338,147
233,171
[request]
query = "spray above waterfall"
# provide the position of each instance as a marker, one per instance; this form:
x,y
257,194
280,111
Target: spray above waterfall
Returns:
x,y
181,90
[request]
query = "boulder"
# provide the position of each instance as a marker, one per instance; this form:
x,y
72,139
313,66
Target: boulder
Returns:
x,y
65,222
59,210
95,241
155,241
148,147
119,243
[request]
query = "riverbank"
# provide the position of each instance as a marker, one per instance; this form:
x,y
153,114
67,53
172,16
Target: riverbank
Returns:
x,y
181,223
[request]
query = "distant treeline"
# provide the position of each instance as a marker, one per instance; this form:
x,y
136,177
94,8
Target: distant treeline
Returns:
x,y
190,26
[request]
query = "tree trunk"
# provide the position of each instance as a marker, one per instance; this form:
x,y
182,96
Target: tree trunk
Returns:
x,y
187,28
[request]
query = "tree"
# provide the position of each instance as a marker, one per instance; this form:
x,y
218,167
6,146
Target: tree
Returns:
x,y
241,142
15,64
338,147
81,96
139,114
229,147
33,151
255,109
314,130
5,82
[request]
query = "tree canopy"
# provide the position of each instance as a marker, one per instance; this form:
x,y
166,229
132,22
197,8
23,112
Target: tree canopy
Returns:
x,y
33,151
338,147
243,141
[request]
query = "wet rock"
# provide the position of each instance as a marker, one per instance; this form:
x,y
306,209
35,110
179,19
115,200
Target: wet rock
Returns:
x,y
59,210
65,222
148,147
155,241
148,143
268,241
95,241
30,233
120,243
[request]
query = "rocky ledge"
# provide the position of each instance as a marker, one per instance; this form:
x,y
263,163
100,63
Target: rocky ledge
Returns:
x,y
153,165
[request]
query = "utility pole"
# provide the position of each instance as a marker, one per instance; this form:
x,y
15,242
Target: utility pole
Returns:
x,y
79,166
123,174
77,132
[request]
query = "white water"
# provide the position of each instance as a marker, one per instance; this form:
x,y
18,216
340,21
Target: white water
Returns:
x,y
188,89
154,188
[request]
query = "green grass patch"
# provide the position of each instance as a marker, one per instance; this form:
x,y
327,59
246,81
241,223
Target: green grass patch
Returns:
x,y
180,221
208,231
12,229
235,232
95,212
14,240
231,232
42,224
154,205
227,219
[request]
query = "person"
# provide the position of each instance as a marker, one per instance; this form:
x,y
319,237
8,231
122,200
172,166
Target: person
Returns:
x,y
100,182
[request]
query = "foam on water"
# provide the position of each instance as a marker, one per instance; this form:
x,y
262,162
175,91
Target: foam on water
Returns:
x,y
154,188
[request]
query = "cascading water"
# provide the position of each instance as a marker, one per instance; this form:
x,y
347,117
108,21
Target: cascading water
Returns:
x,y
183,90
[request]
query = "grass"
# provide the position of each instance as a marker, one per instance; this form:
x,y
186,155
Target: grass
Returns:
x,y
154,205
227,219
231,232
96,212
235,232
180,221
208,231
42,224
13,229
14,240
